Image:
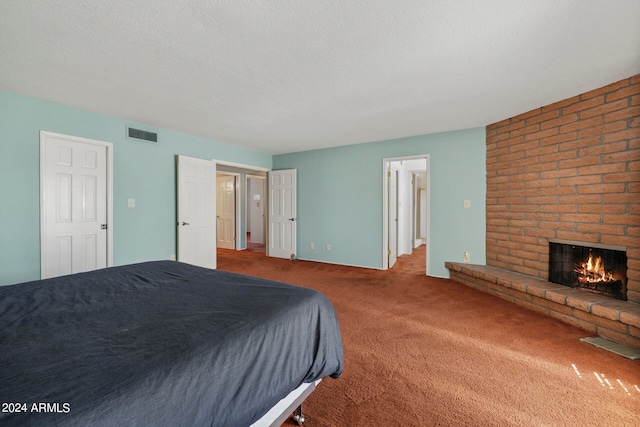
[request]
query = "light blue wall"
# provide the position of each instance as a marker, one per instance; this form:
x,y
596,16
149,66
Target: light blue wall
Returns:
x,y
340,198
143,171
339,189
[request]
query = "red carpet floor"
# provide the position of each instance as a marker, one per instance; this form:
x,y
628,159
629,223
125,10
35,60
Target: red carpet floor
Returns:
x,y
421,351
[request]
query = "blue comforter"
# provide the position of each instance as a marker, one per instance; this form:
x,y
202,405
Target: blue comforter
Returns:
x,y
159,343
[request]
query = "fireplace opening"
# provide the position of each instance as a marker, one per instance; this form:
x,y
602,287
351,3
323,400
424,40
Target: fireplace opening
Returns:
x,y
591,268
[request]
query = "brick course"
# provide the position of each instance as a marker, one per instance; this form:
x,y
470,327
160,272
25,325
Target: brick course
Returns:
x,y
615,320
569,170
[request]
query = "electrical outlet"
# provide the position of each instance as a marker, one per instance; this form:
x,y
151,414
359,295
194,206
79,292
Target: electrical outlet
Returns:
x,y
312,245
328,247
467,257
467,204
172,257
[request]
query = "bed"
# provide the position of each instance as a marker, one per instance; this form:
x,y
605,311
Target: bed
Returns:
x,y
161,343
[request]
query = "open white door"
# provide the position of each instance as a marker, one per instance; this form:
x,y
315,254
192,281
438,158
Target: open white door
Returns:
x,y
393,216
75,210
226,211
196,211
282,213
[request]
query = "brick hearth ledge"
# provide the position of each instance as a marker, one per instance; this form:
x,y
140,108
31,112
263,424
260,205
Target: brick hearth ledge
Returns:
x,y
615,320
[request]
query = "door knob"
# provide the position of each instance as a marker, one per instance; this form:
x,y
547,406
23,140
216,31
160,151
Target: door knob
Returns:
x,y
292,219
185,223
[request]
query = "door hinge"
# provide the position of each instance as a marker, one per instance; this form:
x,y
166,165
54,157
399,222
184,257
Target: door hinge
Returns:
x,y
389,252
388,173
103,227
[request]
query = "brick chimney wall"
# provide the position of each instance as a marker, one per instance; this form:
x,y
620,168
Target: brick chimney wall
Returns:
x,y
571,171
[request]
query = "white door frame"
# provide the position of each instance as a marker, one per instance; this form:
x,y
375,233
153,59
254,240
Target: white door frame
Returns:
x,y
240,194
109,194
385,208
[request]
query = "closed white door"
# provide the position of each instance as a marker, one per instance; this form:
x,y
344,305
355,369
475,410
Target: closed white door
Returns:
x,y
226,211
73,204
196,211
282,213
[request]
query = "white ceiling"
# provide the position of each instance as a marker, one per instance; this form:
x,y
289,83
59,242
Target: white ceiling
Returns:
x,y
291,75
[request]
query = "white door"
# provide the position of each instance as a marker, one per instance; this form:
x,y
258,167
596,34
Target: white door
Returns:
x,y
226,211
393,217
73,195
282,213
196,211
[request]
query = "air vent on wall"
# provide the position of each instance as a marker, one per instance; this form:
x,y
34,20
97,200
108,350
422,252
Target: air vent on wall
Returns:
x,y
143,135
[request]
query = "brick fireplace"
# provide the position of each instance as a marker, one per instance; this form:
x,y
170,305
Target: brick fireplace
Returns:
x,y
569,171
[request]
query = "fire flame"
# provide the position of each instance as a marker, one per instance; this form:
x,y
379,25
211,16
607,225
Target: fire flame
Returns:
x,y
593,271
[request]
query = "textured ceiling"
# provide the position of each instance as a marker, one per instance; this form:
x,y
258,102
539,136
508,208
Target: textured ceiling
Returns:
x,y
292,75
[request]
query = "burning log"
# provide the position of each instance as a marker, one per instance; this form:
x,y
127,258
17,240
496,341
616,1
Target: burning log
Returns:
x,y
592,276
593,271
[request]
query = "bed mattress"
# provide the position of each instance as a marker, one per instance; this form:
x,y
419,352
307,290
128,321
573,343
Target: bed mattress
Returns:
x,y
159,343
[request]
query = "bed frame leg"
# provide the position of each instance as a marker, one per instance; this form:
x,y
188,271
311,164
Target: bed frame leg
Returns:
x,y
297,415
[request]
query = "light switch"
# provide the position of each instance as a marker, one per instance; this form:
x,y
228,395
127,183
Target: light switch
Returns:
x,y
467,204
131,203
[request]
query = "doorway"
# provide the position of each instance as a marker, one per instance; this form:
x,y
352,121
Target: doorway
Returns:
x,y
243,210
255,213
405,208
419,211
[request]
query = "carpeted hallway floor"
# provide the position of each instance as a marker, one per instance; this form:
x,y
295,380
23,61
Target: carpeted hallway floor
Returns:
x,y
422,351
